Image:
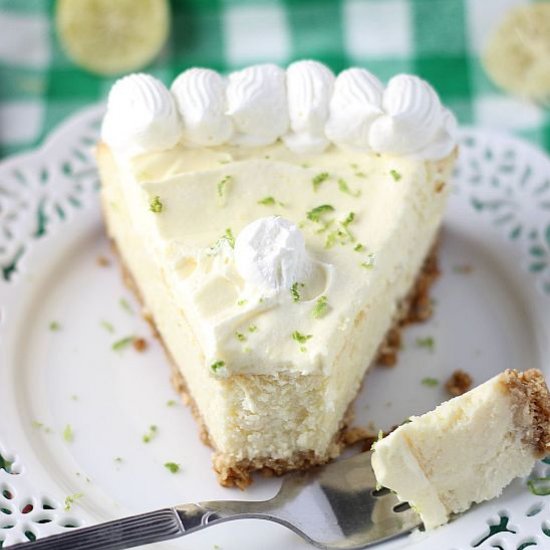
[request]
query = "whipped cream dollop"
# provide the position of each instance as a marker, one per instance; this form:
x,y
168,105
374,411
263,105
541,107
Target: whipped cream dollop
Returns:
x,y
309,89
356,103
305,106
257,104
270,254
141,116
414,121
200,97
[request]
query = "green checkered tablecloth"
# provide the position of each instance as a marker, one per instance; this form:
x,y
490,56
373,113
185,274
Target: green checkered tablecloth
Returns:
x,y
439,40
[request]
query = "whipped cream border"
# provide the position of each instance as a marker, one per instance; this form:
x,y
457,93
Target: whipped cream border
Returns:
x,y
306,106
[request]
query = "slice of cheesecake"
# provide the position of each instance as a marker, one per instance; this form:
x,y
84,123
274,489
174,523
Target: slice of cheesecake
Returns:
x,y
275,226
469,448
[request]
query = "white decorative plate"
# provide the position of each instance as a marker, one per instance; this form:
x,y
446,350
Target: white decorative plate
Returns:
x,y
492,312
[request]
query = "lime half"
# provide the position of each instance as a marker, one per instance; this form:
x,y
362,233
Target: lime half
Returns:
x,y
517,56
112,36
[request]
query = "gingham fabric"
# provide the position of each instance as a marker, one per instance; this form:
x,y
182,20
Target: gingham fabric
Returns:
x,y
440,40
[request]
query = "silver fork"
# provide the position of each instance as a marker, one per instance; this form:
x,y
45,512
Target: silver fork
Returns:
x,y
332,507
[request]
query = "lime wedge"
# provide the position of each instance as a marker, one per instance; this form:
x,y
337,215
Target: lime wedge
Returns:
x,y
517,56
110,37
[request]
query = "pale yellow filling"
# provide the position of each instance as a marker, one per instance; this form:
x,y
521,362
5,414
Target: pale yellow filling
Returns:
x,y
394,222
466,450
274,396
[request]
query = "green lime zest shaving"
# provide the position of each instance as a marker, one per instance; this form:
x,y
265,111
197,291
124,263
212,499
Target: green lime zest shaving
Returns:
x,y
321,307
344,187
217,365
428,342
68,434
152,432
223,185
122,343
319,179
395,175
316,214
295,291
71,499
172,467
156,205
301,338
369,263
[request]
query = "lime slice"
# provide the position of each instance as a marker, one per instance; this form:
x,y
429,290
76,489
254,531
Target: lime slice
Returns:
x,y
517,56
112,36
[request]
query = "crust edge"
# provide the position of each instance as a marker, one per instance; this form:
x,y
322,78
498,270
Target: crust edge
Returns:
x,y
531,400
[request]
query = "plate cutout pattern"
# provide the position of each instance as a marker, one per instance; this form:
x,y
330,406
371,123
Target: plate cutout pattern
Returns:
x,y
508,183
24,514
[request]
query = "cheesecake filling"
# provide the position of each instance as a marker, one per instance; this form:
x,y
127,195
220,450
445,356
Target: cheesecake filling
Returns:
x,y
355,228
247,355
273,241
469,448
216,158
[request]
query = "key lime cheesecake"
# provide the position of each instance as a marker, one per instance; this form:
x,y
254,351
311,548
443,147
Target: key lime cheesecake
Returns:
x,y
469,448
276,225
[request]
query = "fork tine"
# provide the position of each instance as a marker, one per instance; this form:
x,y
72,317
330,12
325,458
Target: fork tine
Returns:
x,y
349,510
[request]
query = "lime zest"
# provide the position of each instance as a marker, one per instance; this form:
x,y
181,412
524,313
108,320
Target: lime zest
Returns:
x,y
427,342
125,305
271,201
222,186
301,338
369,263
217,365
68,434
107,326
295,291
123,343
316,214
321,307
344,188
319,179
395,175
156,205
172,467
70,500
150,434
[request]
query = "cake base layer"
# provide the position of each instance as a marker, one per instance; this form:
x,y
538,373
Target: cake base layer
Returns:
x,y
416,307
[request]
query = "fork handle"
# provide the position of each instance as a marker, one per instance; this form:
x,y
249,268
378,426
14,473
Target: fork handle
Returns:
x,y
125,532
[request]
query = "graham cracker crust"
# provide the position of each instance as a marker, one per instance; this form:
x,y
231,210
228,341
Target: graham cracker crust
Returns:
x,y
532,401
458,383
415,308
